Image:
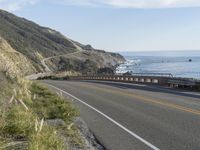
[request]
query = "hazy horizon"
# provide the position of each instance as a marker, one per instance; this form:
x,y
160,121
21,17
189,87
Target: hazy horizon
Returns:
x,y
183,53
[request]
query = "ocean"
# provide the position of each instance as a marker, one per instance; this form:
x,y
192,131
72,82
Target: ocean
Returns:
x,y
178,63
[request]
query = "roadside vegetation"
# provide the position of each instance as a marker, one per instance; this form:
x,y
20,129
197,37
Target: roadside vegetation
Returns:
x,y
25,110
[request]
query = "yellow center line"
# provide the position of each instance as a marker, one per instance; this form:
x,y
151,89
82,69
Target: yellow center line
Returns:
x,y
143,98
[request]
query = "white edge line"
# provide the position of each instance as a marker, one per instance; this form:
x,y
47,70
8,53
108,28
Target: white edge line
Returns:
x,y
107,117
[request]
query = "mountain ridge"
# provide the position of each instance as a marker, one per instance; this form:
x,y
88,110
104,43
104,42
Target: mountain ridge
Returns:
x,y
37,43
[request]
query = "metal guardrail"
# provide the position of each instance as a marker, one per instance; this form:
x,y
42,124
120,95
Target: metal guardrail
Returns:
x,y
152,74
140,78
184,82
159,80
135,79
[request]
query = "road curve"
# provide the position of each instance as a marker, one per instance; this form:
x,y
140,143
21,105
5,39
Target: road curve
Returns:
x,y
136,117
43,61
47,69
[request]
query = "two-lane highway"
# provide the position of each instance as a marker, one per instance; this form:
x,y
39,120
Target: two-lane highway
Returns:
x,y
127,117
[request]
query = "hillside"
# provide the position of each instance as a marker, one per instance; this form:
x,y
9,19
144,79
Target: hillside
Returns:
x,y
31,116
36,43
15,63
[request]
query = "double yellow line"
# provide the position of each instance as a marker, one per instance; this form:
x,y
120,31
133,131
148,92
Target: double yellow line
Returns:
x,y
142,98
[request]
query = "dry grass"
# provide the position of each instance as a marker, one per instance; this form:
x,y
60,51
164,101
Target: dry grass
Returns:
x,y
49,105
46,139
18,122
23,115
25,106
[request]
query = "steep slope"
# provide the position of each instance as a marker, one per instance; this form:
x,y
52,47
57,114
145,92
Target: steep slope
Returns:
x,y
37,43
30,39
13,62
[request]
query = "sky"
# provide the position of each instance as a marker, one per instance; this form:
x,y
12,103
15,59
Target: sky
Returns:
x,y
118,25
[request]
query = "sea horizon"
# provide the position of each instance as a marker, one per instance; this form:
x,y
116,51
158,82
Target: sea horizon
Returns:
x,y
170,53
178,63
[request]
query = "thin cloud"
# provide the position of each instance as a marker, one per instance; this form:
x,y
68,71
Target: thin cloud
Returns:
x,y
14,5
135,3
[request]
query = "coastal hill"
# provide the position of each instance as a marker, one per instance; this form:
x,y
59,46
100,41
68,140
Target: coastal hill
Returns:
x,y
32,43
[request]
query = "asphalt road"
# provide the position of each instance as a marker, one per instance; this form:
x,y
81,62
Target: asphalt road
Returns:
x,y
136,117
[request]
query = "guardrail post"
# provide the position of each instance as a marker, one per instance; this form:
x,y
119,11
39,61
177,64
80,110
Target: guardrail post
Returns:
x,y
136,79
148,80
155,81
141,79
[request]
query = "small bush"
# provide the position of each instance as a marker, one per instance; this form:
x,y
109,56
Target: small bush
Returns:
x,y
19,122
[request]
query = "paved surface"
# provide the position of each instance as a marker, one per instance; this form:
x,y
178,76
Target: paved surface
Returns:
x,y
129,117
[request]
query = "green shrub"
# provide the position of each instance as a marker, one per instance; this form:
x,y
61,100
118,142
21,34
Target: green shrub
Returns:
x,y
19,122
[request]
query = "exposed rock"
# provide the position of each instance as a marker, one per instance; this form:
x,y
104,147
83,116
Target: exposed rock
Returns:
x,y
56,122
88,136
88,47
106,71
129,73
87,62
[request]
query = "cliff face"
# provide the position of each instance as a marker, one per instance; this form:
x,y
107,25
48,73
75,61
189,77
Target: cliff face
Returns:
x,y
32,43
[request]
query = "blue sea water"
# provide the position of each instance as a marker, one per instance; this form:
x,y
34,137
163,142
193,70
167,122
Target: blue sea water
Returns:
x,y
176,63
